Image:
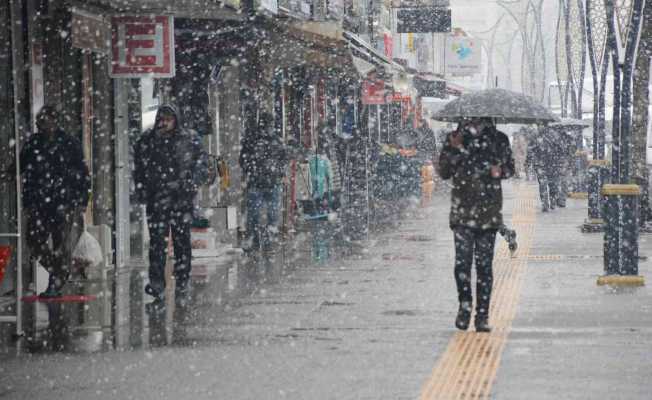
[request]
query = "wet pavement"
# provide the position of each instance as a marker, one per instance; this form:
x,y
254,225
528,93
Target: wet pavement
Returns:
x,y
375,321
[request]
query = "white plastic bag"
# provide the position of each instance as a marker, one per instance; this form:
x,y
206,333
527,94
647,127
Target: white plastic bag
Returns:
x,y
88,252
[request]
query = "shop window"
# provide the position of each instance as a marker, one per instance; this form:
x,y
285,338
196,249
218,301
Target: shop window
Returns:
x,y
143,105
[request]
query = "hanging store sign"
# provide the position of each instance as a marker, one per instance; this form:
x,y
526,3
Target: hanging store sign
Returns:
x,y
269,5
430,88
373,92
399,97
388,41
423,20
463,55
89,31
142,47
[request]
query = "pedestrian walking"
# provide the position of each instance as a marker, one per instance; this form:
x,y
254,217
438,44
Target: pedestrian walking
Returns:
x,y
55,191
519,147
476,157
564,162
510,237
544,157
263,159
426,144
170,166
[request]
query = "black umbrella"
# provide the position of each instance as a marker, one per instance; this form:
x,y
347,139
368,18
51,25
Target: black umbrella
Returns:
x,y
506,107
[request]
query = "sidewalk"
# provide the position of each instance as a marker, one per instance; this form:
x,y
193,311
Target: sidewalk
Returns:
x,y
572,339
378,324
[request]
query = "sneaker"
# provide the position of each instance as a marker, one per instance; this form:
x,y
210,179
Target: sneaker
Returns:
x,y
482,324
511,241
156,307
154,292
463,316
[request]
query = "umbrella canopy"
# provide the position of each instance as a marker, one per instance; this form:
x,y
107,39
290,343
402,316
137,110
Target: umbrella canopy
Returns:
x,y
505,106
570,123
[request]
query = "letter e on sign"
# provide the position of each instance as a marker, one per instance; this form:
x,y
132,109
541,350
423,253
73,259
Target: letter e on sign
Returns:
x,y
142,47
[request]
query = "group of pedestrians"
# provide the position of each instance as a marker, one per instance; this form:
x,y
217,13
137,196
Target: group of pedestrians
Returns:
x,y
170,167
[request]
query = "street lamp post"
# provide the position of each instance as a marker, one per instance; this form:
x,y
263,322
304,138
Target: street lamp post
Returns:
x,y
561,57
575,53
596,34
622,198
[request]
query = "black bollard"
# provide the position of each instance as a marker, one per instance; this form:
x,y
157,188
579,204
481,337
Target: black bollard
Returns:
x,y
621,235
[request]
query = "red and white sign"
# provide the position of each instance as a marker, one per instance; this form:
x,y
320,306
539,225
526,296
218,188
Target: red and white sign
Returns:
x,y
388,41
373,92
142,47
399,97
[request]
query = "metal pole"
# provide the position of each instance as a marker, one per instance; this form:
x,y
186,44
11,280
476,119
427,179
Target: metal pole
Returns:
x,y
599,65
617,68
630,57
622,199
15,16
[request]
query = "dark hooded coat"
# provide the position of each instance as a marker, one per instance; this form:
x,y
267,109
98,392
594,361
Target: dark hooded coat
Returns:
x,y
169,169
54,175
549,153
477,197
263,158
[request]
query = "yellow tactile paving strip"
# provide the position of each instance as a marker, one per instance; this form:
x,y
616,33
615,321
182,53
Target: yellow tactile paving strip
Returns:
x,y
468,366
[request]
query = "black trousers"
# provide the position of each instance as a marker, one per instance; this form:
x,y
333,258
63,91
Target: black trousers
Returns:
x,y
549,188
160,224
56,225
474,244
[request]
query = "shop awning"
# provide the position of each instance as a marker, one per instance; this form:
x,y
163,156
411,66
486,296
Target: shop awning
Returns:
x,y
206,9
364,68
362,49
325,45
296,43
428,86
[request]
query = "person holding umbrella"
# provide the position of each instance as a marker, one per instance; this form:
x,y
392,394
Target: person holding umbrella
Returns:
x,y
476,157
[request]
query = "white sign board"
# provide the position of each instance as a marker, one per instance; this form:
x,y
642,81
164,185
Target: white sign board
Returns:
x,y
269,5
142,47
463,55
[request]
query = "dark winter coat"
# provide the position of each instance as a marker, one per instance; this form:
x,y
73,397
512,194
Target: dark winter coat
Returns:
x,y
54,175
477,197
547,154
264,159
169,169
427,143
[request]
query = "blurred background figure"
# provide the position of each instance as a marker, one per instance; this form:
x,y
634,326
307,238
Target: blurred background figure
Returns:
x,y
519,148
543,156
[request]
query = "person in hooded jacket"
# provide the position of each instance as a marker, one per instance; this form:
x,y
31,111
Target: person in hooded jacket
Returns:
x,y
264,159
170,166
476,157
55,192
545,155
